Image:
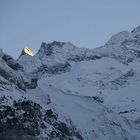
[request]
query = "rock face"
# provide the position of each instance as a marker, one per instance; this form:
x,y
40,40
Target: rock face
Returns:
x,y
68,93
24,119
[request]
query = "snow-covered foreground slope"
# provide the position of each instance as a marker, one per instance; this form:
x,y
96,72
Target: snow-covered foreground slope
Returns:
x,y
108,81
91,118
68,93
49,113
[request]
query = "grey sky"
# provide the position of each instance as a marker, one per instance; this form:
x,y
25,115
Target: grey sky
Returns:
x,y
85,23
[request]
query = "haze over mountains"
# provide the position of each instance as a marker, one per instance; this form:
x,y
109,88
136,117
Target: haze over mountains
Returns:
x,y
63,92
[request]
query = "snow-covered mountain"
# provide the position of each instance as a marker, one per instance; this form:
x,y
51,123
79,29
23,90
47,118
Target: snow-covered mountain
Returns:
x,y
63,92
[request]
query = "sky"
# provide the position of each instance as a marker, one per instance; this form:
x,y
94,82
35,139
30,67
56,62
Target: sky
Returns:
x,y
85,23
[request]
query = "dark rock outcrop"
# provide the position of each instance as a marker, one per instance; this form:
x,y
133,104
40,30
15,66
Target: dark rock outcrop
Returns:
x,y
25,119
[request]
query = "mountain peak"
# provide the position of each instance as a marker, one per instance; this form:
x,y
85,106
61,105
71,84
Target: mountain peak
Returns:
x,y
119,38
27,51
55,43
55,47
136,31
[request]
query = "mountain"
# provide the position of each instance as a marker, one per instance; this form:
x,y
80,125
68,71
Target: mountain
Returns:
x,y
63,92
